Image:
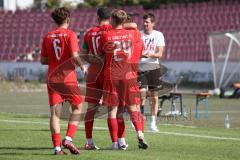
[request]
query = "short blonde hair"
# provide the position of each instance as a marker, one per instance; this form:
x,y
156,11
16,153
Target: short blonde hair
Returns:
x,y
119,16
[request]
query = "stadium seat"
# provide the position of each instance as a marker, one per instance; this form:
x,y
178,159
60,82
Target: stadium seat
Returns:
x,y
185,27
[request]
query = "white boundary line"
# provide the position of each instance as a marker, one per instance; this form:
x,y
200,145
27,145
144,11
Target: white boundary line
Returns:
x,y
166,133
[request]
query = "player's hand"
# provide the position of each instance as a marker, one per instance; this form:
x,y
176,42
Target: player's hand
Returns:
x,y
146,55
85,68
82,68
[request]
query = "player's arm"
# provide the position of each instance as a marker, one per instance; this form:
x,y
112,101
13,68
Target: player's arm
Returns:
x,y
84,54
44,55
77,60
74,50
157,54
130,25
90,58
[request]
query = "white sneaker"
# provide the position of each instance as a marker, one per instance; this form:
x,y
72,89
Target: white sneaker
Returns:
x,y
153,128
123,147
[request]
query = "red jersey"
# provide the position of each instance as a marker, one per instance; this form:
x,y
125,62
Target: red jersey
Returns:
x,y
57,46
92,37
117,45
137,48
91,42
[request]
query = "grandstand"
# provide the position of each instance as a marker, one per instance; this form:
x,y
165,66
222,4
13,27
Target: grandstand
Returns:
x,y
185,26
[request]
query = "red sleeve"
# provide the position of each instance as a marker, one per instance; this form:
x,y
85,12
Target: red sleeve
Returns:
x,y
44,49
73,43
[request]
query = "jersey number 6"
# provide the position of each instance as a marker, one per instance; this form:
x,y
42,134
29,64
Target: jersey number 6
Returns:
x,y
57,48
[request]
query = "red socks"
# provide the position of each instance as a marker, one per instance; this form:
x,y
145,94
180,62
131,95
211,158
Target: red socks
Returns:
x,y
89,120
71,130
56,139
136,117
121,127
113,129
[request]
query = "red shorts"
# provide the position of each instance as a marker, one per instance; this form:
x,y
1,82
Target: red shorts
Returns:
x,y
94,90
121,92
60,92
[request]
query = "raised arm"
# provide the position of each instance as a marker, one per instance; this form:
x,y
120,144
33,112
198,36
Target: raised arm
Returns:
x,y
44,55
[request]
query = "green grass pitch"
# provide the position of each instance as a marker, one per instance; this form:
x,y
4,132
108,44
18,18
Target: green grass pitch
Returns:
x,y
24,133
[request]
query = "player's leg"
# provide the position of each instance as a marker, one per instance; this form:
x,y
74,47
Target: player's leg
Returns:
x,y
154,85
113,125
88,121
121,128
55,113
55,102
132,99
154,110
76,104
136,118
142,117
142,80
143,99
111,100
93,96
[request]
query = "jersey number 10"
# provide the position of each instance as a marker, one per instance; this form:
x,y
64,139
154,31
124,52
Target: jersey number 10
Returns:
x,y
95,41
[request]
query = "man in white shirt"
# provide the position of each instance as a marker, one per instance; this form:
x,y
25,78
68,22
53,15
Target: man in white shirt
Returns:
x,y
149,66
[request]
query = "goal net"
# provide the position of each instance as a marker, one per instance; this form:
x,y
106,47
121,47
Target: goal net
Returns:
x,y
225,56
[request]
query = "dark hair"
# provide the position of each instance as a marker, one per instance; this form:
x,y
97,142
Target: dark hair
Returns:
x,y
119,16
129,19
149,15
59,15
103,13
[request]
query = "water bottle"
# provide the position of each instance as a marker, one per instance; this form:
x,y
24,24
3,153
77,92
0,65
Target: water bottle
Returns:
x,y
227,122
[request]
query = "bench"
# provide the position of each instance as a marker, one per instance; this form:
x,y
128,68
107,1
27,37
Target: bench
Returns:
x,y
201,97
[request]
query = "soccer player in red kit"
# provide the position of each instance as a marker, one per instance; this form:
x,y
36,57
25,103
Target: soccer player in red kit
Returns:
x,y
137,50
95,76
120,84
60,52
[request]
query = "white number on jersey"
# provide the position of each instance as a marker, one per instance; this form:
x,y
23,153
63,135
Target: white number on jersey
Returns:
x,y
125,46
57,48
95,42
